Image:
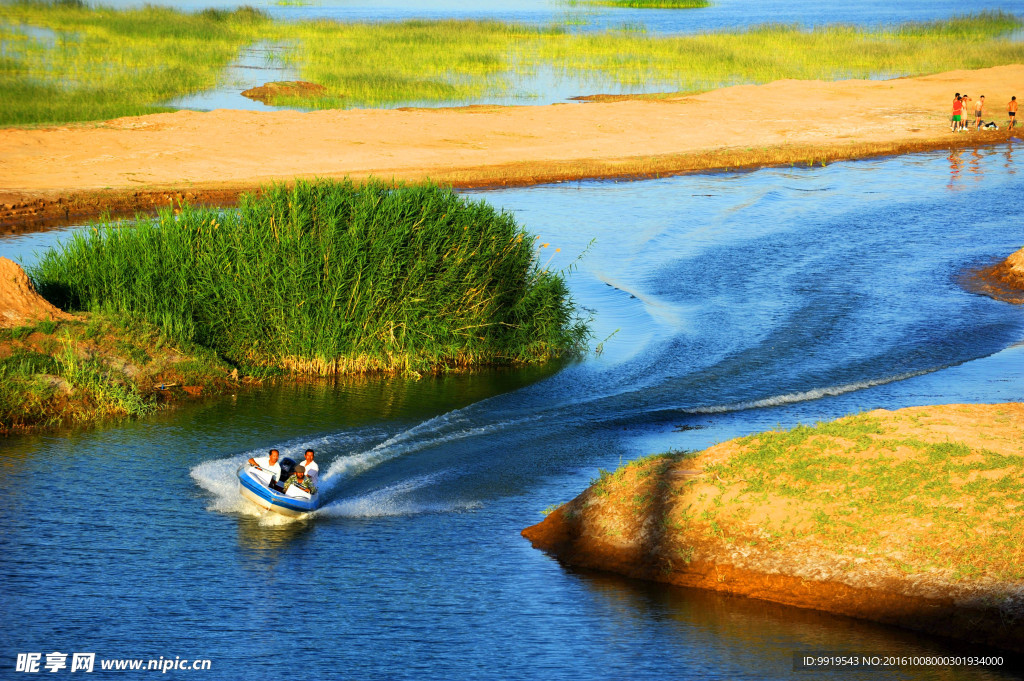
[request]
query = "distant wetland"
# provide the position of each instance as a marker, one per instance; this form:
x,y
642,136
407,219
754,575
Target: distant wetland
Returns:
x,y
68,62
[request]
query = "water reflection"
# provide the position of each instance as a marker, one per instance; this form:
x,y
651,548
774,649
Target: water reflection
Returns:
x,y
974,164
264,538
746,638
956,164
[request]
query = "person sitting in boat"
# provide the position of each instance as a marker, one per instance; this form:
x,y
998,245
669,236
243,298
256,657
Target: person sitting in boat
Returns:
x,y
269,464
300,480
312,469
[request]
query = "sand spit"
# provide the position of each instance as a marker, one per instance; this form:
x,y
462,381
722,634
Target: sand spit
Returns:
x,y
139,163
941,562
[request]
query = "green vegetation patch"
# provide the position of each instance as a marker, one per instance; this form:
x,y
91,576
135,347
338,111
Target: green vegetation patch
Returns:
x,y
868,491
97,367
329,277
66,61
952,506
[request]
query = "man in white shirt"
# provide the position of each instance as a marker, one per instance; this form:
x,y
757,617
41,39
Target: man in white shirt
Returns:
x,y
269,464
312,469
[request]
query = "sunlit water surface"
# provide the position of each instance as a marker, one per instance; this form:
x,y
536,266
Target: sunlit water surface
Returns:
x,y
727,303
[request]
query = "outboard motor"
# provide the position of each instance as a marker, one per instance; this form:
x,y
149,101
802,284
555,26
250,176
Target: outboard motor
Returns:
x,y
287,468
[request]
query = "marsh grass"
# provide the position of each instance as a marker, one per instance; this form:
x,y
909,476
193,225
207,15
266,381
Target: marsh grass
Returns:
x,y
47,387
380,64
330,278
99,63
765,53
99,367
102,63
461,61
654,4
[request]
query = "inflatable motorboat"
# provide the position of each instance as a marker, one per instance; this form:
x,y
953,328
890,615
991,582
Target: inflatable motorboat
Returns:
x,y
255,485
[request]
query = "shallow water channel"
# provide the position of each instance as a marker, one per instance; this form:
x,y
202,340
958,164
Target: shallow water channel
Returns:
x,y
726,303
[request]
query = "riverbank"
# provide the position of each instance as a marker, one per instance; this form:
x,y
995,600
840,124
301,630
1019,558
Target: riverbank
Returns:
x,y
906,517
58,368
140,163
86,368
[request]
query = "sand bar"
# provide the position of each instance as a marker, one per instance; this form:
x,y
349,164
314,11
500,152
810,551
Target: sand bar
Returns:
x,y
139,162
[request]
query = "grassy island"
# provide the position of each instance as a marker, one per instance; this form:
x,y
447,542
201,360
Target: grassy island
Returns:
x,y
329,278
909,517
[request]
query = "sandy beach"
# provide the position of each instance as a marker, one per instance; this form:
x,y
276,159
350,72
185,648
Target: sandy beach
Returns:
x,y
137,163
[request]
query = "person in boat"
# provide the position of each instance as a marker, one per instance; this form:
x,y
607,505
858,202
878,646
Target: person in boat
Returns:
x,y
300,480
312,469
268,463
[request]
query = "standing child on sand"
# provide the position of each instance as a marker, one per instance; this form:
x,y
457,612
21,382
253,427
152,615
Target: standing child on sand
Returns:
x,y
958,107
978,108
964,109
1011,109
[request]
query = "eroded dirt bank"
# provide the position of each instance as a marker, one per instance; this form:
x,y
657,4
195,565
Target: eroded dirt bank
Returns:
x,y
1003,281
909,518
140,163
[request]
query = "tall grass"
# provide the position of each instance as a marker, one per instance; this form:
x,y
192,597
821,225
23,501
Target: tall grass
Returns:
x,y
97,63
330,277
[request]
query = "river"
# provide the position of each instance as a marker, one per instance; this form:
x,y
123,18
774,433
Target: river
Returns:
x,y
723,304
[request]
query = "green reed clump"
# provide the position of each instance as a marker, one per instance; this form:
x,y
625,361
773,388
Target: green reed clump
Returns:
x,y
65,61
329,277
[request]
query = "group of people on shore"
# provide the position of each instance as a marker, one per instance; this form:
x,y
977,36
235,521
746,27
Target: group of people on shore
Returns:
x,y
304,476
962,107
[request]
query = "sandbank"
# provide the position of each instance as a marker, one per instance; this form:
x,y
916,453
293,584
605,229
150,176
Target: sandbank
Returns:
x,y
139,163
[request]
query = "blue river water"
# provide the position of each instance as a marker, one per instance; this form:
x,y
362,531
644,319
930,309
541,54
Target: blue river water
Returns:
x,y
724,303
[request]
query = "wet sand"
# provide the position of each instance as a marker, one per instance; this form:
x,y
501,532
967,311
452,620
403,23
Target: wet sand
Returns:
x,y
141,162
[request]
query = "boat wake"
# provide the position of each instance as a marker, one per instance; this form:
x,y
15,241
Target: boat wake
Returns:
x,y
218,476
807,395
390,501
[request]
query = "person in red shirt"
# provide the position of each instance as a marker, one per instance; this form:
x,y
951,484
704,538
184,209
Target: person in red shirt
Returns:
x,y
958,109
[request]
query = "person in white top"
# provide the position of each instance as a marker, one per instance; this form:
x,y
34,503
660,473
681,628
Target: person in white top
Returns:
x,y
269,464
312,469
